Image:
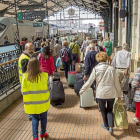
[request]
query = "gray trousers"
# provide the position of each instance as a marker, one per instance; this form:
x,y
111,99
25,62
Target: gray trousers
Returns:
x,y
106,111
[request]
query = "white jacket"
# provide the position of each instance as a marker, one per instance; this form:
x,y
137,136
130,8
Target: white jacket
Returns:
x,y
107,82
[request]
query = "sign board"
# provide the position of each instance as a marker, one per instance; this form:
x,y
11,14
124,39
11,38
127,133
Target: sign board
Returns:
x,y
31,15
37,24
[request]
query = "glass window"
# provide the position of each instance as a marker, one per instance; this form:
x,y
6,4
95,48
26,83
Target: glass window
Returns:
x,y
2,27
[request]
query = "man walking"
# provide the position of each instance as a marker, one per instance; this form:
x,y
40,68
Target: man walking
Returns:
x,y
75,53
122,61
23,62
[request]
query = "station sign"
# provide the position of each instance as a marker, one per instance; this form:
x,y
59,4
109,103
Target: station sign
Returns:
x,y
31,15
37,24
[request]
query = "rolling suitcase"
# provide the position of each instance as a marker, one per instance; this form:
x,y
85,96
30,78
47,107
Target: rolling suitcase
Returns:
x,y
56,77
77,68
57,94
71,78
79,82
87,98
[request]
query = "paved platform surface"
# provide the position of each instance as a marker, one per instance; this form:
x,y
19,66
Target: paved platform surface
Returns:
x,y
69,122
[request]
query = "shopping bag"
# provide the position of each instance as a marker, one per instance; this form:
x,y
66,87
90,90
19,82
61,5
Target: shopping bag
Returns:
x,y
120,115
58,62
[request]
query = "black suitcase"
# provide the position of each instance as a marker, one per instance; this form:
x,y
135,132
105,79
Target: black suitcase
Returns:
x,y
79,82
56,77
57,94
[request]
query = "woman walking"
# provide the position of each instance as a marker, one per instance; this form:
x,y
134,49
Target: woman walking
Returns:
x,y
66,57
136,86
109,49
36,96
46,61
107,89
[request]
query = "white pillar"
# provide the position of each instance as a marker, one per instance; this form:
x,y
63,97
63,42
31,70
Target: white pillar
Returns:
x,y
120,28
138,33
134,28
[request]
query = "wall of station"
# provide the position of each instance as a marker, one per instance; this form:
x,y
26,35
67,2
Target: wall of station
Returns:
x,y
135,33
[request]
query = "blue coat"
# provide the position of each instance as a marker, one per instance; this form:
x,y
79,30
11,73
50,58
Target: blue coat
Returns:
x,y
90,62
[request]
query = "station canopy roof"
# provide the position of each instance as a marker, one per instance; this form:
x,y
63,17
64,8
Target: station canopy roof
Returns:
x,y
7,7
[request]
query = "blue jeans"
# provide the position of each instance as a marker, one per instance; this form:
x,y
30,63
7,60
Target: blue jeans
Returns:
x,y
75,59
35,123
67,68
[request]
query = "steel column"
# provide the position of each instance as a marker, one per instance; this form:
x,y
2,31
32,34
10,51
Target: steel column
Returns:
x,y
47,17
116,10
128,35
110,15
17,38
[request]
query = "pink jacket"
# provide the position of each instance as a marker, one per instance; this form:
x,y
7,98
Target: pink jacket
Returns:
x,y
46,65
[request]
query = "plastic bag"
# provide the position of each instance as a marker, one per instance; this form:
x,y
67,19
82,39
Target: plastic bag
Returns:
x,y
120,115
58,62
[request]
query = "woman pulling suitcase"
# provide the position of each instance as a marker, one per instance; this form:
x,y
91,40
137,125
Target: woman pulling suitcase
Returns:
x,y
107,89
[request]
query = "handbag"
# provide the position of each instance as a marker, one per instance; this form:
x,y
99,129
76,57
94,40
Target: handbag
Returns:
x,y
120,115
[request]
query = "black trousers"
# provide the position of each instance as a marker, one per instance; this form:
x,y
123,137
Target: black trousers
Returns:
x,y
106,106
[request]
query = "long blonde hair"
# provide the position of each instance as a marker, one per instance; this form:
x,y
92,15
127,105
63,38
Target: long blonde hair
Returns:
x,y
33,70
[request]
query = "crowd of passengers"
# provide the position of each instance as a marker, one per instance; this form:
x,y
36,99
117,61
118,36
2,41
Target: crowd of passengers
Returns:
x,y
108,71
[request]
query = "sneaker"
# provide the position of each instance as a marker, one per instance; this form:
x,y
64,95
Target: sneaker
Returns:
x,y
135,120
138,130
111,131
102,125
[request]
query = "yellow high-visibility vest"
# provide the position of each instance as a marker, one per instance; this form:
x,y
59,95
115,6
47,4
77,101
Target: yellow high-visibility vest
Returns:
x,y
36,96
23,56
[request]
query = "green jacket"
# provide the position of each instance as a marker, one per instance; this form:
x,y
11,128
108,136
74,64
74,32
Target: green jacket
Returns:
x,y
74,49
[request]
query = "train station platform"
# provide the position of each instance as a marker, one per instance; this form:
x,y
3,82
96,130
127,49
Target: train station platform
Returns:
x,y
68,122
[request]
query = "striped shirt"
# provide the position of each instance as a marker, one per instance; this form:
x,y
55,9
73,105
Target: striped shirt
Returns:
x,y
136,85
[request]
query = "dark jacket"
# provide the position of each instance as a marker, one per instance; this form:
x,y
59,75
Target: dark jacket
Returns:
x,y
90,62
24,63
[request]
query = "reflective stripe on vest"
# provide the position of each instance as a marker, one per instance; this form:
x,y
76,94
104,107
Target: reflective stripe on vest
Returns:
x,y
36,102
35,92
19,68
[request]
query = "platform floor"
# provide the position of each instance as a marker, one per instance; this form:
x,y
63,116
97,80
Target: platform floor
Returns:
x,y
69,122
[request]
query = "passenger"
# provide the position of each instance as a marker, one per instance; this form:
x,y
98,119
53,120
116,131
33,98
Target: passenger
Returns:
x,y
60,42
90,61
23,62
58,47
24,43
64,39
37,44
66,57
36,96
97,47
22,40
43,44
75,53
85,44
46,61
109,49
136,86
87,48
71,40
101,42
6,40
43,40
108,88
121,61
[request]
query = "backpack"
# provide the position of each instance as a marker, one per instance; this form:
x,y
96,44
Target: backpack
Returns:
x,y
65,56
